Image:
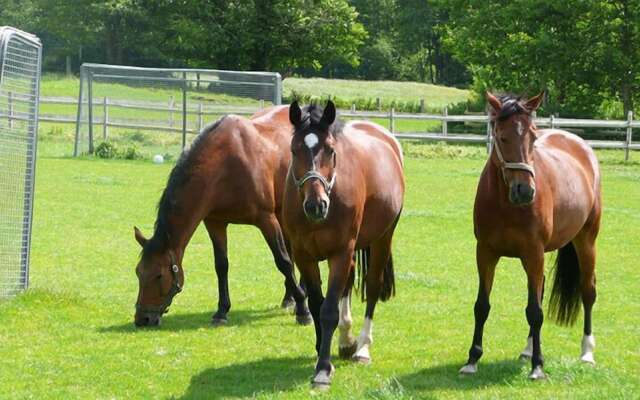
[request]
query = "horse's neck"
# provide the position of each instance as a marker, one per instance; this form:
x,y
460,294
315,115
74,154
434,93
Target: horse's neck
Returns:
x,y
191,204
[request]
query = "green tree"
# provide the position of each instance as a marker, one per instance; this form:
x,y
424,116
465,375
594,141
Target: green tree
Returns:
x,y
580,52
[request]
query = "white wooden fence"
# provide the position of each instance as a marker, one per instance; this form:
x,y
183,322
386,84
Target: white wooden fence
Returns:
x,y
204,112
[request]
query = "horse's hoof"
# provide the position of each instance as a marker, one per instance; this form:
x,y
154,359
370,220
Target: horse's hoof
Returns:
x,y
587,358
469,369
347,352
304,319
219,321
322,380
537,374
524,356
288,303
361,359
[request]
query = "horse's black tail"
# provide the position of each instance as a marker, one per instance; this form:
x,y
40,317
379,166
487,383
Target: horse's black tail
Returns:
x,y
564,302
388,279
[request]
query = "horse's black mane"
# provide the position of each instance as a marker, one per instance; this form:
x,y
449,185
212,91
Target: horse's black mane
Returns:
x,y
179,176
311,117
511,104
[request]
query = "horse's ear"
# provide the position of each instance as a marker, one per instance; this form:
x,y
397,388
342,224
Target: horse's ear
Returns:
x,y
139,236
534,102
494,102
295,113
329,114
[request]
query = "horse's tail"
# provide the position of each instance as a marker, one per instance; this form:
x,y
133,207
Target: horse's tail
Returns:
x,y
564,303
388,288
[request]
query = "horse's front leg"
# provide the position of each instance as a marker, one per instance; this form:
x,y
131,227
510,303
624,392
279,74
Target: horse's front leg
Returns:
x,y
533,264
270,228
339,273
218,235
486,261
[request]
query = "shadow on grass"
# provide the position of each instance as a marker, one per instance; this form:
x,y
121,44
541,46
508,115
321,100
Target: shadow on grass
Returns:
x,y
192,321
269,375
446,376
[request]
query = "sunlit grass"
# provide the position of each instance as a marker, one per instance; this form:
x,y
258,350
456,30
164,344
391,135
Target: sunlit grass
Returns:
x,y
71,334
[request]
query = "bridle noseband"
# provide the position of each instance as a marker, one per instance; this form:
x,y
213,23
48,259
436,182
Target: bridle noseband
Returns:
x,y
173,291
522,166
314,174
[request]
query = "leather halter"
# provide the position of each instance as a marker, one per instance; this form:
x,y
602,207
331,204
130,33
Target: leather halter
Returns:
x,y
314,174
522,166
175,289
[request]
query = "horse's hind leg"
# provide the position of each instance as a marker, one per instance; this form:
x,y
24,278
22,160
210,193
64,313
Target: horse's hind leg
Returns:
x,y
347,345
218,235
486,261
586,251
380,259
272,233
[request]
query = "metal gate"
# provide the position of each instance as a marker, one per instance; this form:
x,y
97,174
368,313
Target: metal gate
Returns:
x,y
20,65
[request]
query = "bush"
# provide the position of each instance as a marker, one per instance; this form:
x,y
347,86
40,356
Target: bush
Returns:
x,y
130,153
106,150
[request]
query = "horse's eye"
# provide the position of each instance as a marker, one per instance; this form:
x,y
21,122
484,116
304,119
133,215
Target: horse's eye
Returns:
x,y
159,276
503,139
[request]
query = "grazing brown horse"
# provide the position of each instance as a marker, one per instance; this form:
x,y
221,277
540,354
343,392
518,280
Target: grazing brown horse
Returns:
x,y
539,191
343,195
233,173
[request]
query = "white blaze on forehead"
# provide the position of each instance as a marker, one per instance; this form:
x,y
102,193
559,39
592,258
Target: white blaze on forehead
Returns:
x,y
311,140
520,129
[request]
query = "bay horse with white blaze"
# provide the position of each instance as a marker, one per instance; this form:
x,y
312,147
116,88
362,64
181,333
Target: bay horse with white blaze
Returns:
x,y
343,194
539,192
233,173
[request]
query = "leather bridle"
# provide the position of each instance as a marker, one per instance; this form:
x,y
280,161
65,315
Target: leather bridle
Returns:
x,y
173,291
504,165
314,174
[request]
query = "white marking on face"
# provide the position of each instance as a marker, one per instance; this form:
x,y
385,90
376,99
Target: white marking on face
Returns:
x,y
520,128
311,140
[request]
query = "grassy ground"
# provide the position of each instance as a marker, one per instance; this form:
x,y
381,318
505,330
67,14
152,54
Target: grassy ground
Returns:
x,y
352,90
71,334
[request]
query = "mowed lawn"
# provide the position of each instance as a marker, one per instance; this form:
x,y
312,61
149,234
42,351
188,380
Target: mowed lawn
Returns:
x,y
71,335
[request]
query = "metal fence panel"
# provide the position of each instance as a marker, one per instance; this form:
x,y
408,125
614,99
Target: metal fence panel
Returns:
x,y
104,87
20,64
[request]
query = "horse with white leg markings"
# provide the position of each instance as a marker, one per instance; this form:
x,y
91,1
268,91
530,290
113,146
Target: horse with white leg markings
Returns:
x,y
343,195
539,192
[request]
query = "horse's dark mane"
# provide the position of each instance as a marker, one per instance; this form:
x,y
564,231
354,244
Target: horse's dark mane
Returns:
x,y
311,116
511,104
178,177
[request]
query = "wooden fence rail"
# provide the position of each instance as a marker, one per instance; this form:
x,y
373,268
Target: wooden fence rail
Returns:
x,y
201,110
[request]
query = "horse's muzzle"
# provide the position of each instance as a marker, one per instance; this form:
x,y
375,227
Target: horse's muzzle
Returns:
x,y
143,318
521,193
316,211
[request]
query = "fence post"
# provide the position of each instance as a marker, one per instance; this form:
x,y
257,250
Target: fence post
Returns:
x,y
261,104
488,134
445,114
629,135
353,107
378,104
422,106
10,115
105,120
184,109
552,121
199,117
172,104
392,125
90,109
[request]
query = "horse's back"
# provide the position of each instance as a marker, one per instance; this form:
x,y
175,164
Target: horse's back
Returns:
x,y
378,132
563,146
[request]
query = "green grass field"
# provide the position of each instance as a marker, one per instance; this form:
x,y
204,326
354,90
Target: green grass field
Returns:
x,y
71,335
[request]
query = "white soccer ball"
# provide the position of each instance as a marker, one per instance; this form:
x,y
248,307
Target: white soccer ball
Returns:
x,y
158,159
